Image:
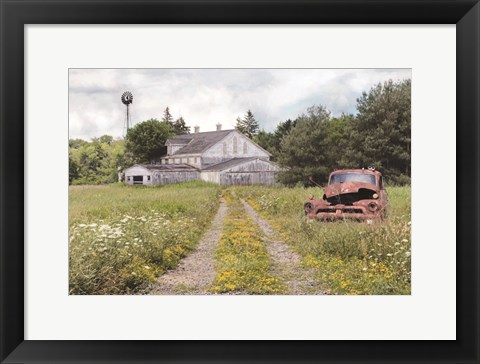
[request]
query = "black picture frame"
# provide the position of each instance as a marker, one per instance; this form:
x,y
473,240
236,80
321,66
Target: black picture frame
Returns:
x,y
16,14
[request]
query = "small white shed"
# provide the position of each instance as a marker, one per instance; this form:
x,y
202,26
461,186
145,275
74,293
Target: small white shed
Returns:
x,y
160,174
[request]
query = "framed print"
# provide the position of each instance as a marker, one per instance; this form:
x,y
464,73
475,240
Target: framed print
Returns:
x,y
78,260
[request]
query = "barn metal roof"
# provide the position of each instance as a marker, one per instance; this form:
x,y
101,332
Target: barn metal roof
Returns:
x,y
230,163
199,142
168,167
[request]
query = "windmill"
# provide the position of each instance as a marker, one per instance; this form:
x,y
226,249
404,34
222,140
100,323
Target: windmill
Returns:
x,y
127,99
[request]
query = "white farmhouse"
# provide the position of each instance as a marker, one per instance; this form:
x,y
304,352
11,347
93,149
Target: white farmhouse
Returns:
x,y
225,157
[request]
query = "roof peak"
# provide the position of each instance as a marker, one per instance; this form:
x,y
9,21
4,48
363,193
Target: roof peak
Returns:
x,y
201,132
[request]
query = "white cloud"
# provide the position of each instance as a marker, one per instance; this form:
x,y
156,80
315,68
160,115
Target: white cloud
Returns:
x,y
206,97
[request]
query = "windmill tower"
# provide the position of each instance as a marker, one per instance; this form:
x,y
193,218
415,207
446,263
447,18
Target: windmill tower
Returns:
x,y
127,99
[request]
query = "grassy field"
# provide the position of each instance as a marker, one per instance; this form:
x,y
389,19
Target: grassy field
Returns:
x,y
349,257
123,237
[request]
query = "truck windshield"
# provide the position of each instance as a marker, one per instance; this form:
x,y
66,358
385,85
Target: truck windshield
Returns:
x,y
352,177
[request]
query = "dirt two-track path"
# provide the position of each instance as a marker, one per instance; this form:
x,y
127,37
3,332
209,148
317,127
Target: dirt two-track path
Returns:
x,y
195,273
286,263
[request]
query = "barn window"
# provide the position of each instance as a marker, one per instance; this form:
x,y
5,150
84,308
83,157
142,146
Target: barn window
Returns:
x,y
235,145
137,180
148,178
245,147
128,178
224,148
195,159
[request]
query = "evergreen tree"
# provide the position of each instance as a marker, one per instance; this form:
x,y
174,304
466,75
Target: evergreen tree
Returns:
x,y
180,127
304,149
381,131
248,125
167,117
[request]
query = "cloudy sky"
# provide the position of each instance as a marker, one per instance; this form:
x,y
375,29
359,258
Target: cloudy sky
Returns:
x,y
205,97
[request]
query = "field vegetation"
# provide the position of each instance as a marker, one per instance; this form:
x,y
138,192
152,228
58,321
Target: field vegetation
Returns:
x,y
348,257
243,263
122,237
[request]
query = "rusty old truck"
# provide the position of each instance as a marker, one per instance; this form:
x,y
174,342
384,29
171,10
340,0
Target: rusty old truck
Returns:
x,y
356,194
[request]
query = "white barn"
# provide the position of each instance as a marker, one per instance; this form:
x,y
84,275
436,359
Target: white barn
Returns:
x,y
225,157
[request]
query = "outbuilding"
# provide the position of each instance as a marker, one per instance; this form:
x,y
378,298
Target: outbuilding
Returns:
x,y
158,174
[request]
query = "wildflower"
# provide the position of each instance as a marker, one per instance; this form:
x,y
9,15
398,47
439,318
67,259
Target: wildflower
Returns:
x,y
146,267
404,241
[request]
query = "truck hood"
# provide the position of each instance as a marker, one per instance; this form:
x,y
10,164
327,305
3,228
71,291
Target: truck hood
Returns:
x,y
348,187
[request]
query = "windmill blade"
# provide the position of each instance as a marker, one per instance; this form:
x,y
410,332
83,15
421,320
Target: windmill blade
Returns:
x,y
127,98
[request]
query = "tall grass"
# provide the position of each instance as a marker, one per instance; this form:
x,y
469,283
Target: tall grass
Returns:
x,y
122,237
349,257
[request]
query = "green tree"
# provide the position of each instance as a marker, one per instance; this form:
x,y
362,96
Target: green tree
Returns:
x,y
266,140
303,150
146,140
180,127
283,128
167,117
247,125
72,169
382,130
94,162
107,139
339,141
76,143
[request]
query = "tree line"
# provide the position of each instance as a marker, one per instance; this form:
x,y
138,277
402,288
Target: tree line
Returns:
x,y
315,143
102,159
311,145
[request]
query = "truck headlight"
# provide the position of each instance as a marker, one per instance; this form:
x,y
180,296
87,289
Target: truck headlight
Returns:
x,y
372,206
308,207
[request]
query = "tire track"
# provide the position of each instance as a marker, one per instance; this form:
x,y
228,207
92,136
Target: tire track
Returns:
x,y
286,263
196,272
